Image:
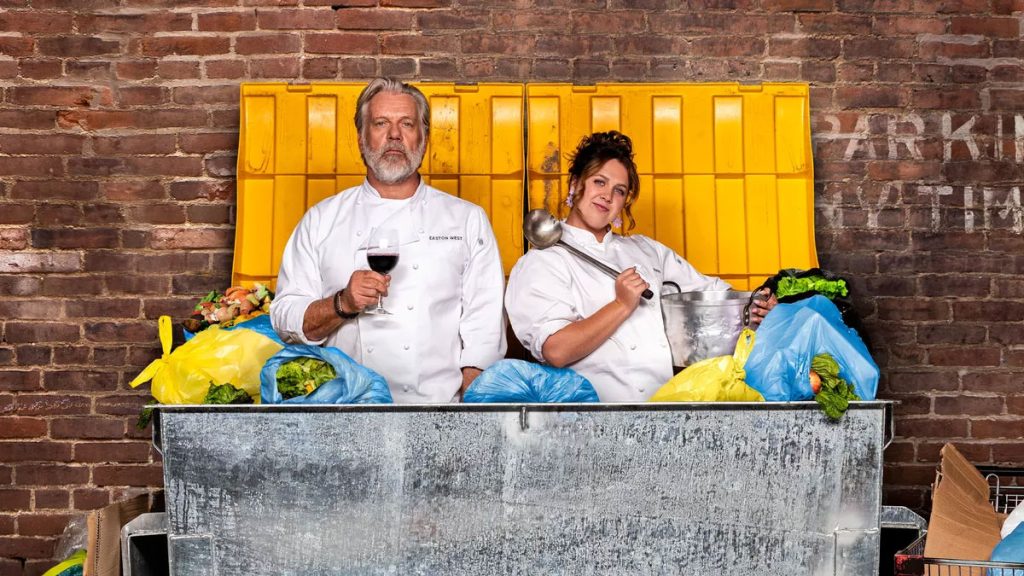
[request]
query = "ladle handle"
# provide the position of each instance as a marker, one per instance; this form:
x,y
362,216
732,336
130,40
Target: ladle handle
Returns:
x,y
647,294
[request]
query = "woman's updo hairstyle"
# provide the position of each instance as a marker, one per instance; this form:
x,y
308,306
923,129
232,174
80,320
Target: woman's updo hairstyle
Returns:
x,y
592,153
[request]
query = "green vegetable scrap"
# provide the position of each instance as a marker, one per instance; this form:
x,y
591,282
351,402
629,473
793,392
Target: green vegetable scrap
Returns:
x,y
302,376
226,394
829,288
836,393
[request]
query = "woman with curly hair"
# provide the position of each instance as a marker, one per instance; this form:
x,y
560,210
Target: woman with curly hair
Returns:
x,y
568,313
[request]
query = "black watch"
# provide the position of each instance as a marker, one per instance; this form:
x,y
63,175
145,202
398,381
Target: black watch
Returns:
x,y
339,311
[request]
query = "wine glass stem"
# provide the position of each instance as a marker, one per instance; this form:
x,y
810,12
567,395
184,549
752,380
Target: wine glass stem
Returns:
x,y
380,301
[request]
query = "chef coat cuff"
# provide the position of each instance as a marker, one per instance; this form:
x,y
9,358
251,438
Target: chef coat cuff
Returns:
x,y
478,357
544,331
288,319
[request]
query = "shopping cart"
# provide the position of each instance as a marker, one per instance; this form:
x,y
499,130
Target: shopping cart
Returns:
x,y
1006,491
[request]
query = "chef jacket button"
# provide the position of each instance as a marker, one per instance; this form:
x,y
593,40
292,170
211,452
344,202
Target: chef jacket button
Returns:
x,y
641,389
421,230
409,307
369,350
415,266
632,346
359,233
405,388
480,241
406,346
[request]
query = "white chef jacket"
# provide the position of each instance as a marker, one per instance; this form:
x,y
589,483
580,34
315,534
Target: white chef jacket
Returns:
x,y
551,288
445,295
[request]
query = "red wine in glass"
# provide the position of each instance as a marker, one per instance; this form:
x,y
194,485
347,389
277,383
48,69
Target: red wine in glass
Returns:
x,y
382,263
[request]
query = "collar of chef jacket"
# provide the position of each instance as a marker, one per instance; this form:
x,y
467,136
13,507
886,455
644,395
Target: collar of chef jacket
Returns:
x,y
406,219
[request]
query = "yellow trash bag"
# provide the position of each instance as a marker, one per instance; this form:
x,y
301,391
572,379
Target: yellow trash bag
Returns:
x,y
715,379
213,355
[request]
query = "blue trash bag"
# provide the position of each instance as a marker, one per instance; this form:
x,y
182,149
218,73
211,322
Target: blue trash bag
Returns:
x,y
260,324
354,384
1009,549
520,381
791,335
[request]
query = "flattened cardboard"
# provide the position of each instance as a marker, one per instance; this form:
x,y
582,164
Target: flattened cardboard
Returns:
x,y
103,557
963,525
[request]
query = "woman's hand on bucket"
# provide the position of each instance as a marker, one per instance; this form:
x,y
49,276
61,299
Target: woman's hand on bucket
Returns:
x,y
762,304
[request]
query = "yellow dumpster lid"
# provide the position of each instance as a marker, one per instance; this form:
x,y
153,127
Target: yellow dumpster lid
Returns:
x,y
726,171
726,177
298,145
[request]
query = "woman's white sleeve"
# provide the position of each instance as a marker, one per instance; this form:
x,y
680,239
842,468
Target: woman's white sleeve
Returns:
x,y
539,299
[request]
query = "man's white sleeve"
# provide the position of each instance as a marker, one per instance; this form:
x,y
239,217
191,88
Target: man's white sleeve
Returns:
x,y
482,325
298,282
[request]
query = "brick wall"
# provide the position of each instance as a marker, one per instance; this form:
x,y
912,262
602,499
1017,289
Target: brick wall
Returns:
x,y
118,131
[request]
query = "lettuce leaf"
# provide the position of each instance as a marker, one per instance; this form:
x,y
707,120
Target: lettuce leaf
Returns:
x,y
302,376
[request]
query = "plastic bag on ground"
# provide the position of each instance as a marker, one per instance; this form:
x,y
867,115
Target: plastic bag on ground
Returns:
x,y
353,382
791,335
719,379
213,356
519,381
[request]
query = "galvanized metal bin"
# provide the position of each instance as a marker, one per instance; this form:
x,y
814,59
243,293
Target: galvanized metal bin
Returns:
x,y
580,489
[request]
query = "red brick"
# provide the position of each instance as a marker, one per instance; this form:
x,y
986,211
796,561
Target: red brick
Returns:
x,y
296,19
1009,453
81,380
341,43
102,308
23,547
52,404
16,500
184,45
948,428
215,190
380,19
51,475
32,22
14,452
227,21
194,238
988,311
31,166
913,310
206,142
39,69
286,67
136,120
178,70
75,238
112,452
121,405
54,285
268,43
988,27
135,69
121,190
34,355
164,213
119,331
192,95
90,498
16,47
113,356
974,405
954,50
198,283
220,69
997,428
906,474
52,499
80,428
135,144
955,333
136,284
834,24
804,47
143,21
149,475
867,97
173,262
84,96
914,381
42,524
65,356
1008,100
964,356
21,332
603,22
416,3
974,452
801,5
416,44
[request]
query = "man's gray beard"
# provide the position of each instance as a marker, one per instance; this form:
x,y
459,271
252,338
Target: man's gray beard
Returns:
x,y
392,171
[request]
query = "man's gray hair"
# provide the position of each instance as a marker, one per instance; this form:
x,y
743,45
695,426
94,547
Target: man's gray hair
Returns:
x,y
378,85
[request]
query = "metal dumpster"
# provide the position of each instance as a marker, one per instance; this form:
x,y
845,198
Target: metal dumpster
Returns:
x,y
523,489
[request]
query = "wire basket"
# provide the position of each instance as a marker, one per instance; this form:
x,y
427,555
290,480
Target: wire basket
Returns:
x,y
1004,494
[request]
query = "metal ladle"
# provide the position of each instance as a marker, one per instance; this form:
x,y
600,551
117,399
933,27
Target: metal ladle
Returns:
x,y
544,231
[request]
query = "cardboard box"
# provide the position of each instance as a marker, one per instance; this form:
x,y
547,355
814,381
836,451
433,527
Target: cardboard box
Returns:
x,y
103,557
963,524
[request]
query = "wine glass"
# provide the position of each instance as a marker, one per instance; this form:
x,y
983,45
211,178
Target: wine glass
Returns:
x,y
382,255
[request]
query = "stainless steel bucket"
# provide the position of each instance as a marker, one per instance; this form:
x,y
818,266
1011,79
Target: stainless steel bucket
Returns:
x,y
702,325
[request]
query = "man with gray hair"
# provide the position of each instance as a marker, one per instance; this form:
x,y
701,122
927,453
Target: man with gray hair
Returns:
x,y
444,295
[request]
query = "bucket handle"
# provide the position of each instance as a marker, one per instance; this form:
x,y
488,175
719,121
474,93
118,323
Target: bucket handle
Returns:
x,y
667,282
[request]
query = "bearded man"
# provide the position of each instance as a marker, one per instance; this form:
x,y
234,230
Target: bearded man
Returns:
x,y
445,293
